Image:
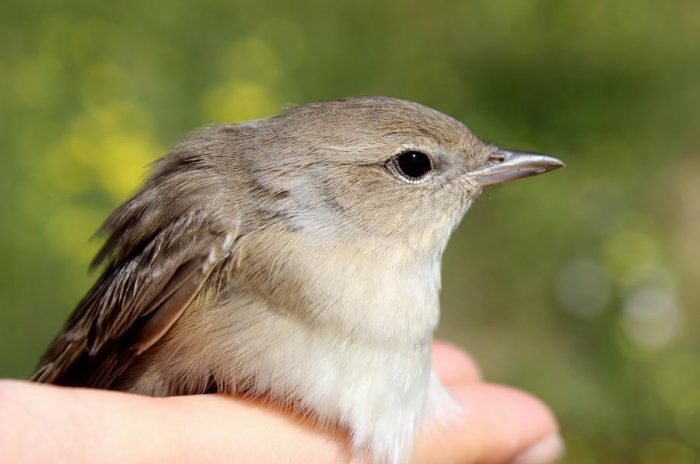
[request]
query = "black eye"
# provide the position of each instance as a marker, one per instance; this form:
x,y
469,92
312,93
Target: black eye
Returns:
x,y
413,165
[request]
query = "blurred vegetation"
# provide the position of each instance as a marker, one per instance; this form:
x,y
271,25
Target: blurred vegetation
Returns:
x,y
579,286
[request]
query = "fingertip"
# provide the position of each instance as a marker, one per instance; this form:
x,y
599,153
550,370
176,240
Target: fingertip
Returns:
x,y
453,365
546,451
496,424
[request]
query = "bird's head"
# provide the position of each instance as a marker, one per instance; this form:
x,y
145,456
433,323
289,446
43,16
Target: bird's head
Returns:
x,y
376,169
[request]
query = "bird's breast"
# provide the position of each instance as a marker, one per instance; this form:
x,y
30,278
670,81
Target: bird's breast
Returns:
x,y
341,332
366,291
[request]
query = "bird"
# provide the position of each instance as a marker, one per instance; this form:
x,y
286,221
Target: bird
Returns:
x,y
296,259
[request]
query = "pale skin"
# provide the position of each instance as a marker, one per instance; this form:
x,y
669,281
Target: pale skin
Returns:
x,y
42,423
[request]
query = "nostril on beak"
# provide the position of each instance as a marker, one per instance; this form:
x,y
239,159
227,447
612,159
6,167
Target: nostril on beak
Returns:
x,y
506,165
496,158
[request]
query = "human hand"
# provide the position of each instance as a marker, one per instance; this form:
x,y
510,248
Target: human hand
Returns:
x,y
42,423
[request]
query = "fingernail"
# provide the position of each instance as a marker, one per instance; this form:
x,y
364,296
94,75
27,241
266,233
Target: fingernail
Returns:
x,y
547,451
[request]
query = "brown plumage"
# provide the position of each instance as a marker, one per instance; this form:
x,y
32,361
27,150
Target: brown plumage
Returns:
x,y
158,259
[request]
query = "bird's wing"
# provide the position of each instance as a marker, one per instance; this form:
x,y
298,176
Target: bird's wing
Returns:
x,y
162,250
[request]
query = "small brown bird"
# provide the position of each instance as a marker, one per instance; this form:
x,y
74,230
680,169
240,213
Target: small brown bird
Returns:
x,y
296,258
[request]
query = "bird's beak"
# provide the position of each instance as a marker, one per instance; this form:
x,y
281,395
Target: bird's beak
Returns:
x,y
506,165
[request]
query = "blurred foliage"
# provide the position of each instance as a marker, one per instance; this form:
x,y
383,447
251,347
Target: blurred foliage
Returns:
x,y
580,286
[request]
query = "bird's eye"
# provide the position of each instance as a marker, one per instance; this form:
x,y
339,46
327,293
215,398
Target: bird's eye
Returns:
x,y
413,165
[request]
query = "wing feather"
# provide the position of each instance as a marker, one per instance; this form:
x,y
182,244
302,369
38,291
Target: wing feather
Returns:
x,y
164,246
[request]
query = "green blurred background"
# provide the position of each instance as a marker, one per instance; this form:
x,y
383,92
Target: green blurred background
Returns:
x,y
580,286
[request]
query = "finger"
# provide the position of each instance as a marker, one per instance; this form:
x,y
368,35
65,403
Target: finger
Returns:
x,y
453,365
88,425
40,422
248,430
497,425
